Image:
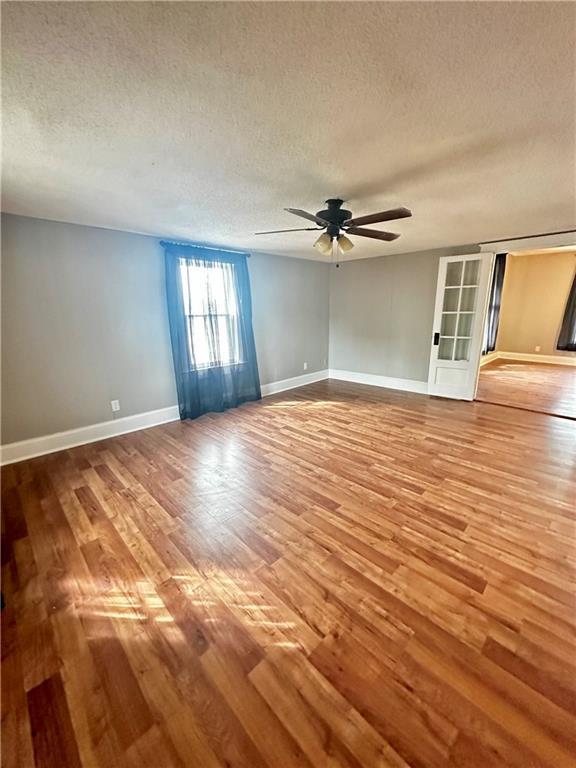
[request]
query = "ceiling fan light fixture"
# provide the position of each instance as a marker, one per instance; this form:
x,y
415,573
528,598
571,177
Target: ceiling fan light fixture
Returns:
x,y
324,244
344,244
336,219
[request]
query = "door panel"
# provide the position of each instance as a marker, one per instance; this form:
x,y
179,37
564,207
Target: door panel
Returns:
x,y
461,296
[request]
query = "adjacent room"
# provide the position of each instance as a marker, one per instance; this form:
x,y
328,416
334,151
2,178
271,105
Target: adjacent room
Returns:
x,y
288,413
529,351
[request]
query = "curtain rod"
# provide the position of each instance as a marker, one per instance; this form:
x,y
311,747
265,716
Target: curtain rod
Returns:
x,y
203,247
527,237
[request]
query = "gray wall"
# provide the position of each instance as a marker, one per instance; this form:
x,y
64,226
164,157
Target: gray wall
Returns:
x,y
290,300
84,322
382,311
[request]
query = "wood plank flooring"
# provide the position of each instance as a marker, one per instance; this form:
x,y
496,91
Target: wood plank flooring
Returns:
x,y
337,576
531,386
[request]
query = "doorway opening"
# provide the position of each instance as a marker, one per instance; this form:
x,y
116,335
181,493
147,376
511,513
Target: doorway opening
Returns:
x,y
529,345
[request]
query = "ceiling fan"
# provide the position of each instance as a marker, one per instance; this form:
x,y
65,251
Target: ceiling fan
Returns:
x,y
337,221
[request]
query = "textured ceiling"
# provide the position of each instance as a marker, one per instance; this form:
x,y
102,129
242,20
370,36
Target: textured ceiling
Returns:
x,y
203,121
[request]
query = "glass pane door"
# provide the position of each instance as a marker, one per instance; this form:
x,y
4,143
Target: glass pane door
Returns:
x,y
458,309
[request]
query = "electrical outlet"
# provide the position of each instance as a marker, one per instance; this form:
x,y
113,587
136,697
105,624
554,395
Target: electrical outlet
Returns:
x,y
305,366
537,349
115,405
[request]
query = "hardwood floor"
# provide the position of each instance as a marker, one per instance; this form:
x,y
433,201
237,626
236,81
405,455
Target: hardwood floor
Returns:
x,y
336,576
531,386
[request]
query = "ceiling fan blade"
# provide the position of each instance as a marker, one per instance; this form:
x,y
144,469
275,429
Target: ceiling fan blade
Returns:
x,y
276,231
309,216
371,233
376,218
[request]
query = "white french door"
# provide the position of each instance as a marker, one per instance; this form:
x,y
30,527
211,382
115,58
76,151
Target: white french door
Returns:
x,y
461,299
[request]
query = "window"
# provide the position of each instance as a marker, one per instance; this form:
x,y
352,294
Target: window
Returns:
x,y
212,313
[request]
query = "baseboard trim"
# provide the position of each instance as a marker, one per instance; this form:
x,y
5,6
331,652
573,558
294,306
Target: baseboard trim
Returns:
x,y
489,358
61,441
375,380
527,357
296,381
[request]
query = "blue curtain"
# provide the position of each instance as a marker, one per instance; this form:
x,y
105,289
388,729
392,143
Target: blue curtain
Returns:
x,y
567,337
210,315
493,318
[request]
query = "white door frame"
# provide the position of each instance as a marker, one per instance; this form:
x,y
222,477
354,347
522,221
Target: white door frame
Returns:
x,y
458,379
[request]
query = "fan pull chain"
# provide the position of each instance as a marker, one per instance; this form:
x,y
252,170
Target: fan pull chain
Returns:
x,y
335,253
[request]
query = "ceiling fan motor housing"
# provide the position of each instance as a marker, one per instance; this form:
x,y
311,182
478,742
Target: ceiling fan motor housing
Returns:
x,y
334,214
